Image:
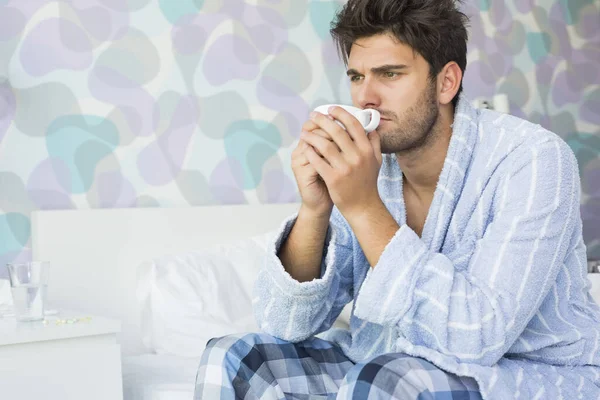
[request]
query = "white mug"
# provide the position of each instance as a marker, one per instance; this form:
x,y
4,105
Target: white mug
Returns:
x,y
368,118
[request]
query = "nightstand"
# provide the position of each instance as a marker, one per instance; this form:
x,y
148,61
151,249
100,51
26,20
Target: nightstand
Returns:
x,y
68,356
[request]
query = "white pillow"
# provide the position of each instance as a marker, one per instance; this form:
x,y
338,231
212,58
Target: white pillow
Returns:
x,y
189,298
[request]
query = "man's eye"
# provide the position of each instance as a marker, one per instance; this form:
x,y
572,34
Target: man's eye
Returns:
x,y
391,74
354,78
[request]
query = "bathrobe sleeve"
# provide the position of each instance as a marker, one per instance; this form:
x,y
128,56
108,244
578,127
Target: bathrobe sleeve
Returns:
x,y
474,314
294,311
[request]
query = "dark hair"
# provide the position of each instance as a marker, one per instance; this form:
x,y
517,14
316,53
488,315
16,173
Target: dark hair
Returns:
x,y
436,29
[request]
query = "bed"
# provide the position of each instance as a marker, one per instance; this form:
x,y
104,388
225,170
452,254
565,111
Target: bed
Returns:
x,y
159,377
102,261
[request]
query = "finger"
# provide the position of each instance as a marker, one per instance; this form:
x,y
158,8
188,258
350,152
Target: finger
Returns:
x,y
328,149
310,125
302,146
299,158
375,140
299,148
338,134
319,164
355,129
301,161
324,135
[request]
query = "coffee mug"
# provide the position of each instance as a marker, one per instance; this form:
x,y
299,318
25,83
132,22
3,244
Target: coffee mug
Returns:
x,y
368,118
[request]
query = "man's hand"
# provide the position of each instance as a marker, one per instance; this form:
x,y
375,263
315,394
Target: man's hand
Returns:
x,y
313,191
348,160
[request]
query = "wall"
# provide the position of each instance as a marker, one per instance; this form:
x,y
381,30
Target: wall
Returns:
x,y
140,103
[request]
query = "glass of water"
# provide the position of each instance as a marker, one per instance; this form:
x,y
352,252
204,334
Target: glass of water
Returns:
x,y
29,283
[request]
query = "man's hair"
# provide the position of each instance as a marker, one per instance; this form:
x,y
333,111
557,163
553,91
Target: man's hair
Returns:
x,y
436,29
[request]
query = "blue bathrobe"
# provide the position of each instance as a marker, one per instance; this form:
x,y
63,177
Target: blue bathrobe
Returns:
x,y
494,289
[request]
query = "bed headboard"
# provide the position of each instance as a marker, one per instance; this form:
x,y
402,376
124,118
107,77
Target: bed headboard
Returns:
x,y
94,254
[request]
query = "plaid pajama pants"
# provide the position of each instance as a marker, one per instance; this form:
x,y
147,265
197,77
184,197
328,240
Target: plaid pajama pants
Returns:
x,y
259,366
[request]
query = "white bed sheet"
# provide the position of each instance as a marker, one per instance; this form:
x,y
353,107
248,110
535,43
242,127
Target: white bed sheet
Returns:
x,y
159,377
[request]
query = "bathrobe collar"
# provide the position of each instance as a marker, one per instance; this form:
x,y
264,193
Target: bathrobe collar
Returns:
x,y
451,181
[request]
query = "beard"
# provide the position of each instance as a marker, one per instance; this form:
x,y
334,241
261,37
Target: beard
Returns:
x,y
416,129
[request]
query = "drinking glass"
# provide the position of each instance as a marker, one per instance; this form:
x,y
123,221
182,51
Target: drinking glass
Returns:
x,y
29,283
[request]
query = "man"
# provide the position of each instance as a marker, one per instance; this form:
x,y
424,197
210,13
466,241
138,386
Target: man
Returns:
x,y
456,233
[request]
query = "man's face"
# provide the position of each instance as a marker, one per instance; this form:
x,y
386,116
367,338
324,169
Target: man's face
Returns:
x,y
388,76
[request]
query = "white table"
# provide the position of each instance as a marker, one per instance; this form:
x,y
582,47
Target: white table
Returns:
x,y
59,360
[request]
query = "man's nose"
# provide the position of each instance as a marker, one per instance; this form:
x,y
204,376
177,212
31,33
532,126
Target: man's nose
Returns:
x,y
367,95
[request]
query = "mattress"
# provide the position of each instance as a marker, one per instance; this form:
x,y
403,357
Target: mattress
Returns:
x,y
159,377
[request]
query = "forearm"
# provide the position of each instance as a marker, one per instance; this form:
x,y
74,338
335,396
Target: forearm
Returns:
x,y
294,308
301,253
374,228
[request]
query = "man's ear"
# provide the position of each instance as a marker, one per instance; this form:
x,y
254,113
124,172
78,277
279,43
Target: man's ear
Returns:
x,y
449,81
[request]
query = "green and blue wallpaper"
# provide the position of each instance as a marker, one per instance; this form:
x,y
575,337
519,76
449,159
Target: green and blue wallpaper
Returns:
x,y
170,103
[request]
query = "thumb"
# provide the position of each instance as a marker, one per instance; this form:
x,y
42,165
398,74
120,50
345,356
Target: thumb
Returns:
x,y
375,140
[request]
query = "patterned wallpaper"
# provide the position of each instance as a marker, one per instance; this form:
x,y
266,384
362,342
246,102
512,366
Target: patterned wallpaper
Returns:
x,y
143,103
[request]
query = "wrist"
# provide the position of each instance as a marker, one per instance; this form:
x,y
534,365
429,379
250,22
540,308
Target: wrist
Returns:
x,y
365,213
322,214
